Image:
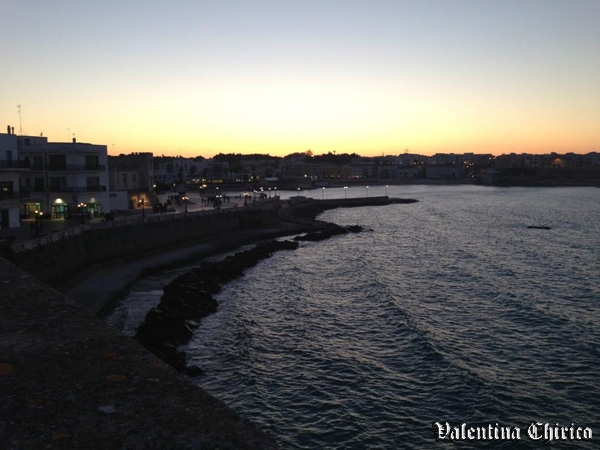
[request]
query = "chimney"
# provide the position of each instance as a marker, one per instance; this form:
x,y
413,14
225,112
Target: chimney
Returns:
x,y
12,130
8,129
74,141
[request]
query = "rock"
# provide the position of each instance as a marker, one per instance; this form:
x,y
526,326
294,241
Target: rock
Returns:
x,y
188,298
194,371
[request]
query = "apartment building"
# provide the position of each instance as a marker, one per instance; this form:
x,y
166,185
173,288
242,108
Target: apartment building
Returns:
x,y
64,177
131,181
10,171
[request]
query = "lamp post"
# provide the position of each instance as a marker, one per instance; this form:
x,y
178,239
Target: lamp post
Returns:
x,y
345,191
37,225
386,186
81,207
185,199
367,191
323,193
142,202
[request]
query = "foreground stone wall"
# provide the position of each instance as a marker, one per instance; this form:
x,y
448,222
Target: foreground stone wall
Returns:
x,y
54,262
69,381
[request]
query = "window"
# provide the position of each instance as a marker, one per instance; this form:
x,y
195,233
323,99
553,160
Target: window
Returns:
x,y
38,163
91,162
38,184
6,187
57,162
58,183
93,183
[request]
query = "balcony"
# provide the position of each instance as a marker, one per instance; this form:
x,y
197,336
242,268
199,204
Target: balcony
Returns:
x,y
74,167
97,188
14,164
11,195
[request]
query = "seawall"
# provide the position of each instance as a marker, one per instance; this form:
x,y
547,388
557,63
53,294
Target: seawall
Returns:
x,y
69,381
310,208
54,260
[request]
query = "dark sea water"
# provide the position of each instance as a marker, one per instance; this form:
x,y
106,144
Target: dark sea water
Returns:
x,y
449,309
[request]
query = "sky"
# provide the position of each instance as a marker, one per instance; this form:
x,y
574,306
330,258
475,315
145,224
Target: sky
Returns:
x,y
373,77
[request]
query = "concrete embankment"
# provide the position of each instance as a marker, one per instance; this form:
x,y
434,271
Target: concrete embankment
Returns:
x,y
98,288
57,260
310,208
69,381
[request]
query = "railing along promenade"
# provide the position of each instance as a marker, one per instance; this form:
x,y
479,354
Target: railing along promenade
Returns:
x,y
82,228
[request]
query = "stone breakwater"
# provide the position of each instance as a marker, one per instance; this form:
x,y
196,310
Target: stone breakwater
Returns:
x,y
309,208
321,235
188,298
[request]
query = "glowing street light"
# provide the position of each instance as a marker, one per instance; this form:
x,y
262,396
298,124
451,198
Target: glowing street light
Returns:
x,y
386,187
185,199
345,191
367,191
81,207
323,193
142,202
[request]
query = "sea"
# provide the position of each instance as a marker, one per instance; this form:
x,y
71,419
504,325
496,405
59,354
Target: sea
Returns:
x,y
447,323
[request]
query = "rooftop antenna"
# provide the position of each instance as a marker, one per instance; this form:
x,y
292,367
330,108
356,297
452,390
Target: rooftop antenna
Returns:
x,y
20,126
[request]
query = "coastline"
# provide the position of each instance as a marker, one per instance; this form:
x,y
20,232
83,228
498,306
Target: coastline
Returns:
x,y
71,381
99,288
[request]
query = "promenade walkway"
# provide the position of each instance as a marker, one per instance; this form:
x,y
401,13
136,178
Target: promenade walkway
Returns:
x,y
99,286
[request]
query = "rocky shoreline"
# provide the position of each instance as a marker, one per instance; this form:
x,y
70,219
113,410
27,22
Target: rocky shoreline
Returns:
x,y
189,297
68,380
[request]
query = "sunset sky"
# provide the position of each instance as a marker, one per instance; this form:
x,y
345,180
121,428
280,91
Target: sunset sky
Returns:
x,y
194,77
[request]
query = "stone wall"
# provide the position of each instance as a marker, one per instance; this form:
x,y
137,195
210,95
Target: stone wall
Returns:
x,y
68,381
56,261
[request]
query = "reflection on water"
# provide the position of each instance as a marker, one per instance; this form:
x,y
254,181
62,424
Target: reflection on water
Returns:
x,y
451,309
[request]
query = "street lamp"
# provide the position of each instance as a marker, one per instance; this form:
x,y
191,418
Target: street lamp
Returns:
x,y
367,191
386,186
142,202
323,193
81,207
185,199
345,191
37,225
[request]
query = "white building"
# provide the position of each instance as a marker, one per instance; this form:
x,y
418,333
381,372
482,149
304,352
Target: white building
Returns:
x,y
64,178
10,170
